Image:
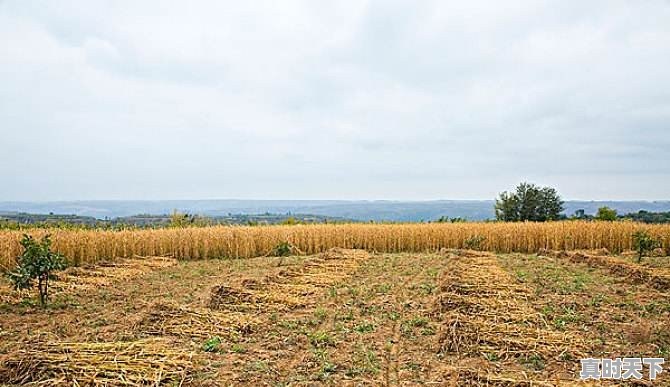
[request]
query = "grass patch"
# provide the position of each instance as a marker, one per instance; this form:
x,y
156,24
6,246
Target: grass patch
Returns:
x,y
320,339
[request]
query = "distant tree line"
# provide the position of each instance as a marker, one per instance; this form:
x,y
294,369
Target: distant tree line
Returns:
x,y
529,202
609,214
649,217
21,221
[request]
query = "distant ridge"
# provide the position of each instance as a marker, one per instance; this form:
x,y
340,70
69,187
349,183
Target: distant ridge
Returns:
x,y
378,210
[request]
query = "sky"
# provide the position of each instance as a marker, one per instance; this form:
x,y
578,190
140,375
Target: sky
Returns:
x,y
406,100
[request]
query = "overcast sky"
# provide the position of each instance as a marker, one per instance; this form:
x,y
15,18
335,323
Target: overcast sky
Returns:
x,y
317,100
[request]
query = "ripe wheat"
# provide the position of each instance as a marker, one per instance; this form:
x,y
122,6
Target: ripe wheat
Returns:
x,y
88,246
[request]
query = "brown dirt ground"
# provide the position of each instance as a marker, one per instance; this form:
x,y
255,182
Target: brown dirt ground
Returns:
x,y
345,317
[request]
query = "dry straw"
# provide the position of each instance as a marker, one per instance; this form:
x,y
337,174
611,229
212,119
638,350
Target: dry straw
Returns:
x,y
138,363
88,246
483,310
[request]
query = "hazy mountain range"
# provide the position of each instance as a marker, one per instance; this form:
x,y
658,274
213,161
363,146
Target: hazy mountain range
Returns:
x,y
358,210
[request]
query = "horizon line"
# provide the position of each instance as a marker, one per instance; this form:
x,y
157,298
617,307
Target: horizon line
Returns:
x,y
311,200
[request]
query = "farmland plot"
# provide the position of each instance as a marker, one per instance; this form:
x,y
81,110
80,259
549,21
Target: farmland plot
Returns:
x,y
343,317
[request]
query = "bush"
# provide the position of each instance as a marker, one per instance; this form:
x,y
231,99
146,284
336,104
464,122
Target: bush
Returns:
x,y
474,242
606,213
290,221
36,262
644,243
283,249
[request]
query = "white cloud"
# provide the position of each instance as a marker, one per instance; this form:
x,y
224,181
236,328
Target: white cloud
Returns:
x,y
355,99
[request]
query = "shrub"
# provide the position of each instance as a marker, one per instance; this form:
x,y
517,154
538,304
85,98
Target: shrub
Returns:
x,y
282,250
644,243
606,213
290,221
36,262
475,242
178,219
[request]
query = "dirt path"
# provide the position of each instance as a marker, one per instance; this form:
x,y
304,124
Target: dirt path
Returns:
x,y
403,294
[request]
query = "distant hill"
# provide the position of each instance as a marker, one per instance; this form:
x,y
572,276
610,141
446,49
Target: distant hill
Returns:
x,y
160,220
361,210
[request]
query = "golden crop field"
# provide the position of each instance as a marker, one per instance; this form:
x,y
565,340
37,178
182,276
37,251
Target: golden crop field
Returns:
x,y
89,246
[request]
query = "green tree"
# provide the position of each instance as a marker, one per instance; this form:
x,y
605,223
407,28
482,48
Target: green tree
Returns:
x,y
643,243
36,262
529,203
606,213
507,207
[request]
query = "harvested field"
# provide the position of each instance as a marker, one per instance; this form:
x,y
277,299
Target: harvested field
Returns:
x,y
484,310
90,277
290,287
654,271
107,273
342,317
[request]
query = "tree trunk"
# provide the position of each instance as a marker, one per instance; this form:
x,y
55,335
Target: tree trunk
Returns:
x,y
40,288
46,288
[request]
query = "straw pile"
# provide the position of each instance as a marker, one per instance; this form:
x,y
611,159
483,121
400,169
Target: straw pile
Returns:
x,y
201,323
472,377
229,298
137,363
484,311
106,273
291,287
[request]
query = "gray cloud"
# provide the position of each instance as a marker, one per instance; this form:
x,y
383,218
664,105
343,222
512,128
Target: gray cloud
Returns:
x,y
356,99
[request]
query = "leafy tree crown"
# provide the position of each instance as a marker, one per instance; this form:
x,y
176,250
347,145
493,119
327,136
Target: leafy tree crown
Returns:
x,y
529,203
606,213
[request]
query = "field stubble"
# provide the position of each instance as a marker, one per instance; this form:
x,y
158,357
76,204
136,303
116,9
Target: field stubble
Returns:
x,y
344,317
